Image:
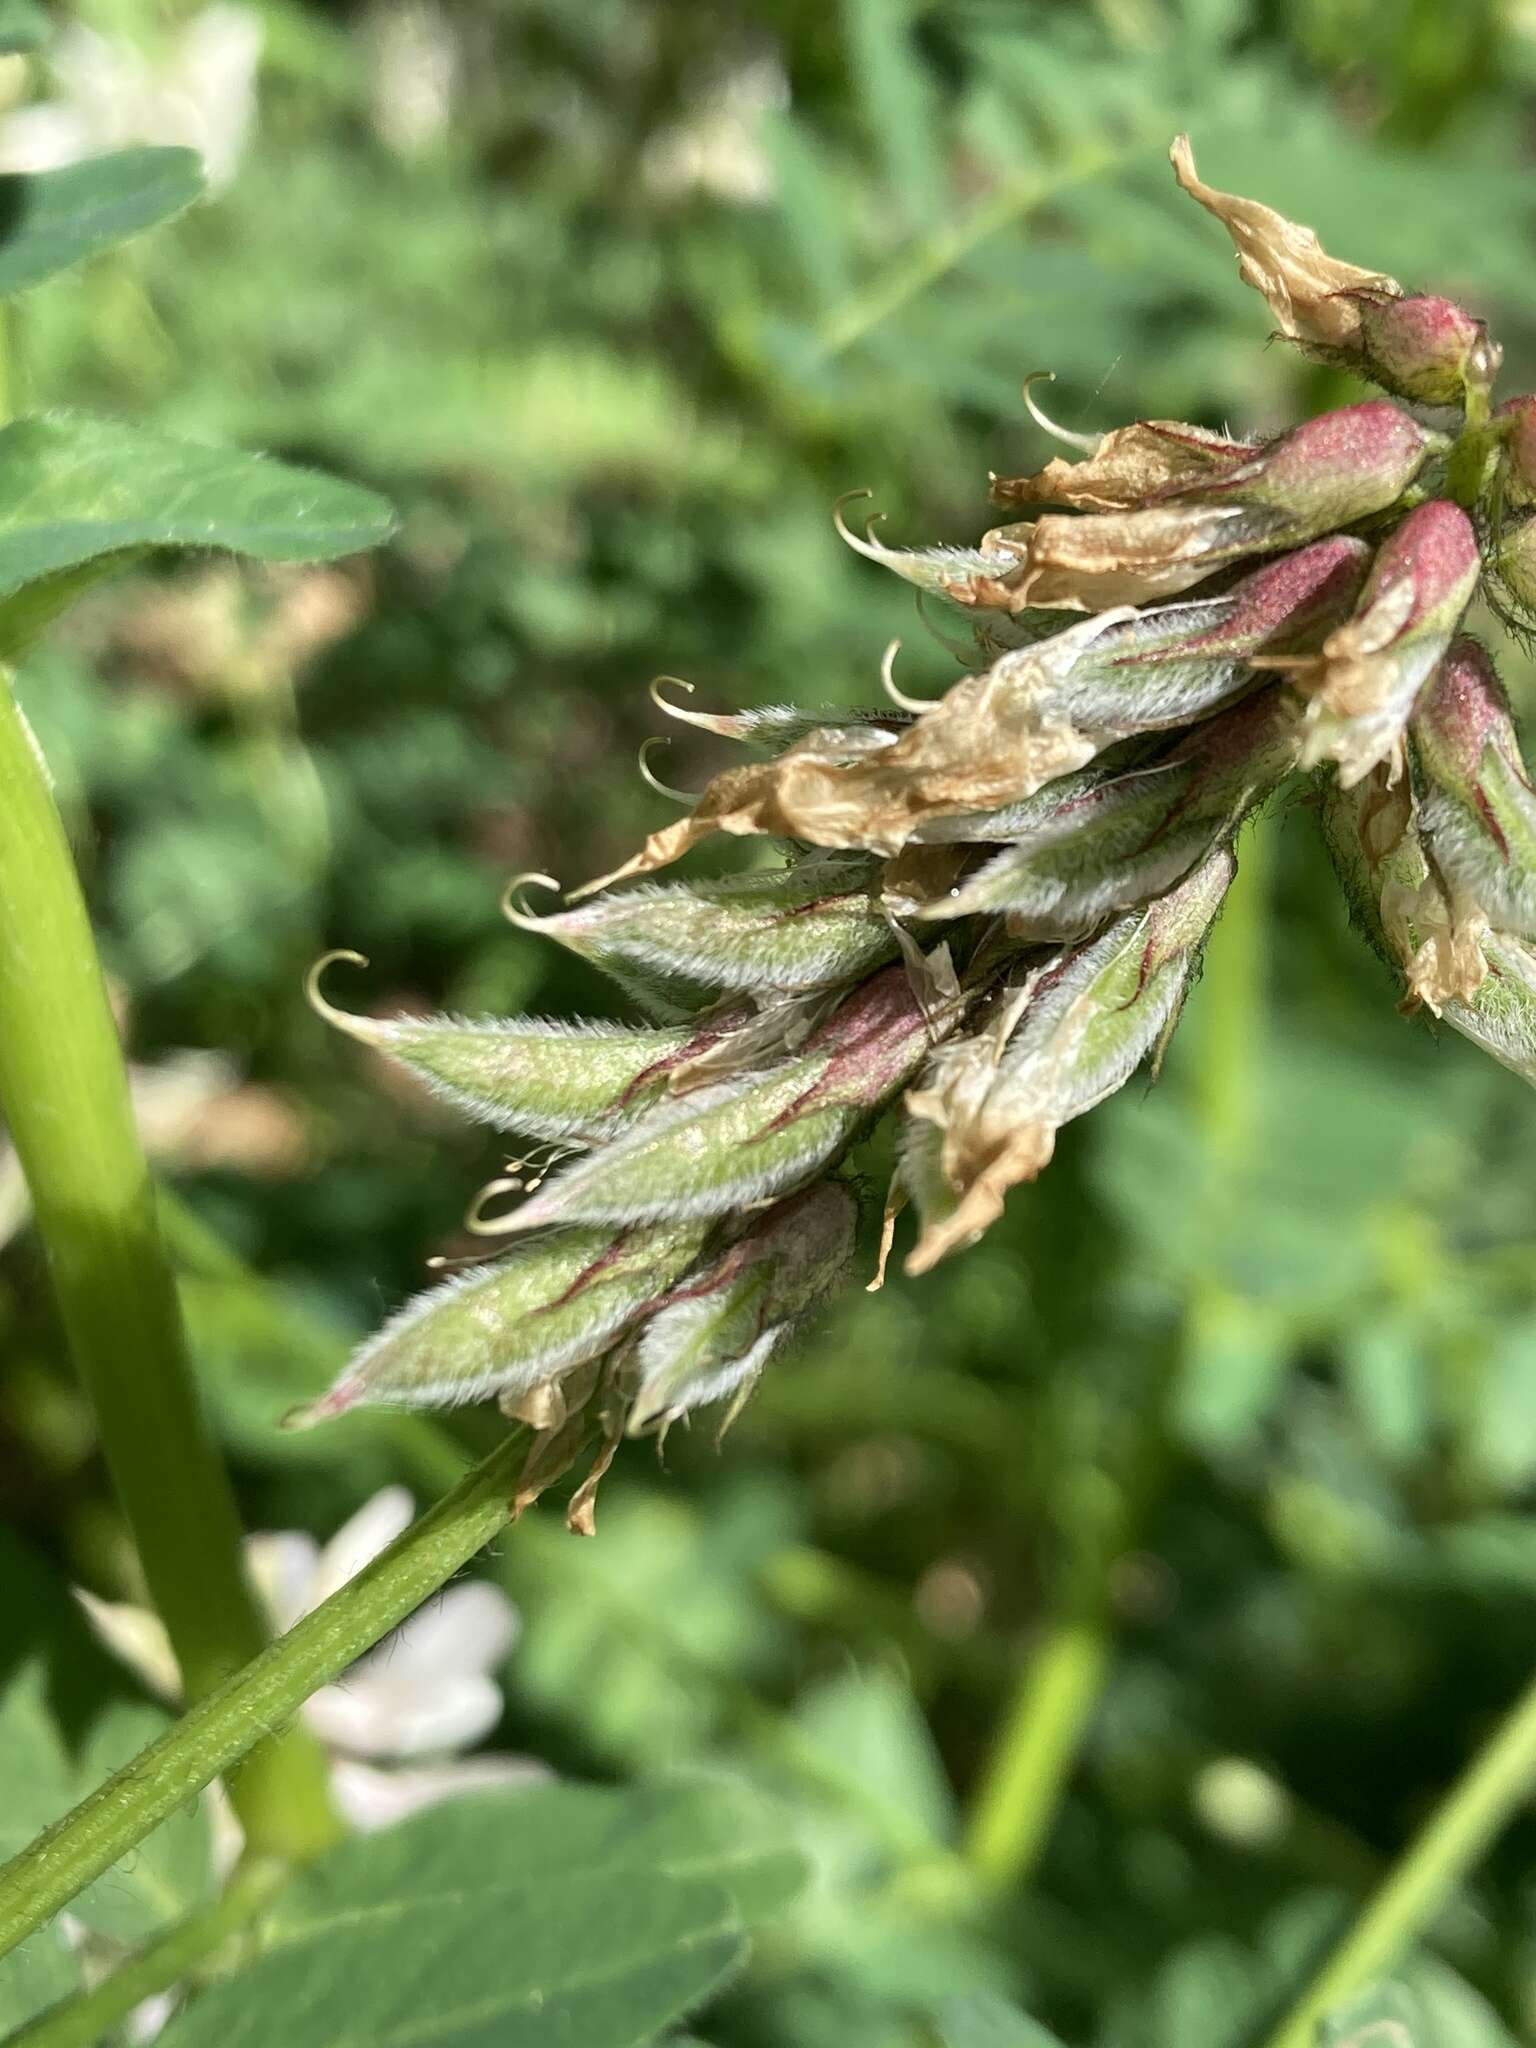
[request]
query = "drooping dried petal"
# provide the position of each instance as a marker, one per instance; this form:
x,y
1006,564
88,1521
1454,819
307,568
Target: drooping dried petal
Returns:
x,y
719,1327
542,1078
1129,466
1312,295
1397,899
1104,845
782,932
1086,1026
1363,686
1040,711
747,1141
978,746
1324,474
505,1328
1475,804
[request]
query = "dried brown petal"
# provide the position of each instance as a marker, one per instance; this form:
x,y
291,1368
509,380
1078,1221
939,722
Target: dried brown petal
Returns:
x,y
1310,293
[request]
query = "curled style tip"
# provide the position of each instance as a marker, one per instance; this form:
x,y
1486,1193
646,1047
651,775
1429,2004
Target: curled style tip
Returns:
x,y
478,1223
652,780
327,1011
518,913
888,683
707,721
1089,444
864,544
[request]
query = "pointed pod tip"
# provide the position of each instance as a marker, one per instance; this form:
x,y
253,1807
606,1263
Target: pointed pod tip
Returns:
x,y
307,1414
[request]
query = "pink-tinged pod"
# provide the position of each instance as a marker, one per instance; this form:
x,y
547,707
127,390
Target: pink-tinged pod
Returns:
x,y
1363,686
1476,808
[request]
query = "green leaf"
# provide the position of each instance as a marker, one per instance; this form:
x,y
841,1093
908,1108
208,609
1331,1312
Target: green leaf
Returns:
x,y
1426,2006
75,489
23,27
165,1876
981,2020
40,1973
50,220
564,1914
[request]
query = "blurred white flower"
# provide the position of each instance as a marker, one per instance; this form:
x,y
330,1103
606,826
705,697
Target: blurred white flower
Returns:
x,y
394,1722
110,93
720,146
415,71
193,1112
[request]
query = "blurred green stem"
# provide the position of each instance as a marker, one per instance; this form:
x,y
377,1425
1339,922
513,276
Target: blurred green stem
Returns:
x,y
1233,1000
1024,1779
1500,1779
230,1722
1042,1731
64,1092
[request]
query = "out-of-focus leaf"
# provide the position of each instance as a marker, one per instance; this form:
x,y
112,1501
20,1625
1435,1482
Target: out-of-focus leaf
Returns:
x,y
1426,2006
38,1974
23,26
559,1915
165,1875
52,219
75,490
982,2021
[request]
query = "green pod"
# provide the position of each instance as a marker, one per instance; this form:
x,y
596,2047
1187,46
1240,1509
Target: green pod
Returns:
x,y
712,1338
751,1139
1097,846
504,1328
781,932
536,1076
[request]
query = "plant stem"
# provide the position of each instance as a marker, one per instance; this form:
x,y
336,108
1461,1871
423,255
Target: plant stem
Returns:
x,y
222,1728
1233,999
1478,1805
64,1092
1043,1728
84,2021
1028,1770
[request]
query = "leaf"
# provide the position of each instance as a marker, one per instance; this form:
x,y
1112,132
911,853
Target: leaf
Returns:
x,y
1427,2005
23,27
562,1914
981,2020
50,220
165,1875
75,489
38,1974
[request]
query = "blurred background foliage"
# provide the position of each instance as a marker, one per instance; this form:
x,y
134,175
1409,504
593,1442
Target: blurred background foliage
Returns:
x,y
1109,1606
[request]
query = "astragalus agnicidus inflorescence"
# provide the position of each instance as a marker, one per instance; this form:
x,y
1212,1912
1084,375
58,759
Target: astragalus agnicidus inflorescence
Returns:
x,y
989,910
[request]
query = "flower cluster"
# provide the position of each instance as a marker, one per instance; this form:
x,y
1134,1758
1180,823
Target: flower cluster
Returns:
x,y
990,908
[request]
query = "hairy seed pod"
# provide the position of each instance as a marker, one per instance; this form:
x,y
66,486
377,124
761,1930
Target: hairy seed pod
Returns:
x,y
1363,686
1082,1028
719,1327
1104,845
749,1140
1475,805
537,1076
1324,474
504,1328
782,932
